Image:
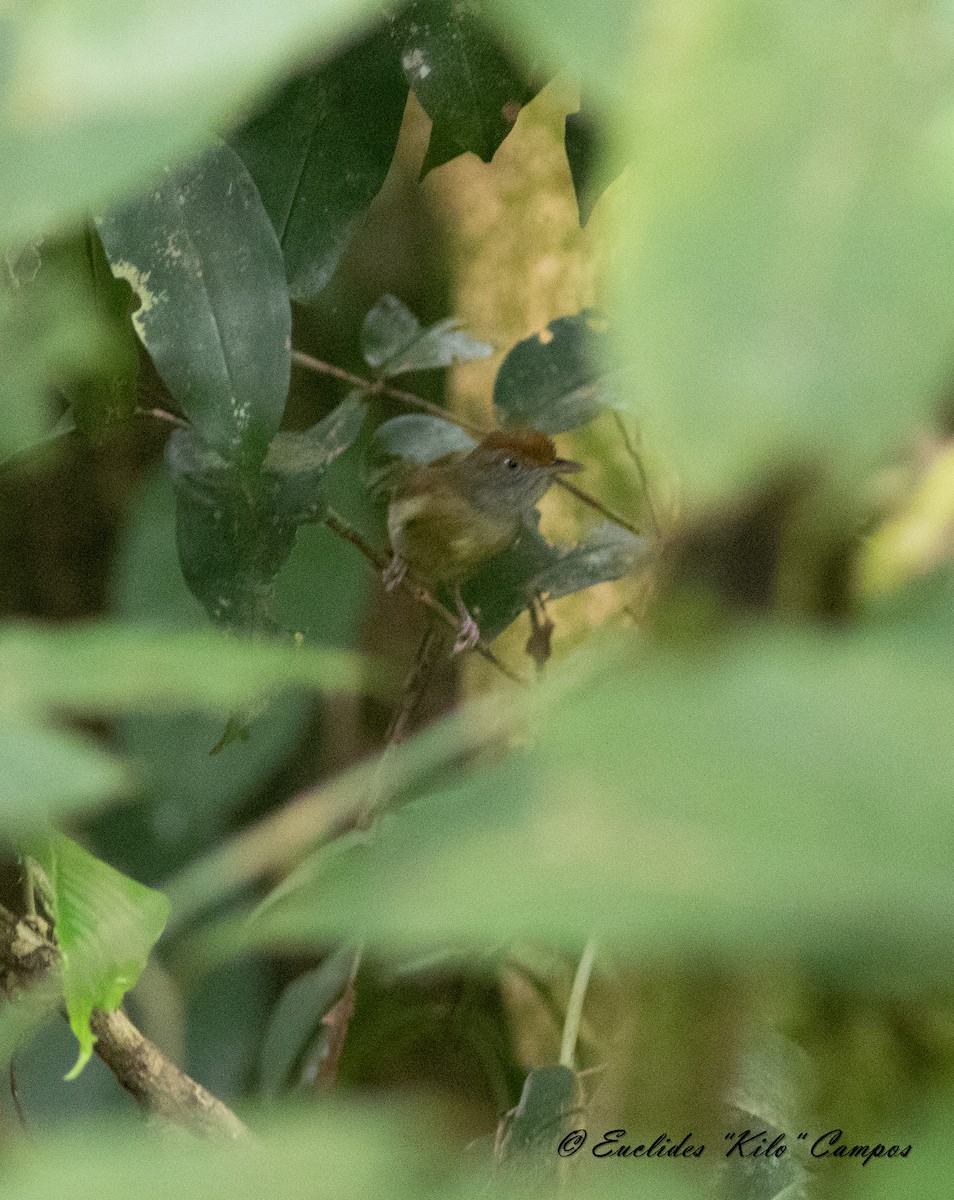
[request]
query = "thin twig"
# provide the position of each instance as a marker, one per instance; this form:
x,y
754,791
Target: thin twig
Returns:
x,y
15,1094
592,502
29,959
379,387
574,1008
339,526
162,415
636,455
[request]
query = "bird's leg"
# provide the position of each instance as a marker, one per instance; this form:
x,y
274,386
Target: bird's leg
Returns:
x,y
468,635
394,572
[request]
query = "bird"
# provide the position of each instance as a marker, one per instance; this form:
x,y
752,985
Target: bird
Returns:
x,y
448,516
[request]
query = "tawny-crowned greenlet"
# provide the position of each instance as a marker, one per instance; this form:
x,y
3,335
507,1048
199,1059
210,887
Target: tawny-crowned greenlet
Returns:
x,y
446,517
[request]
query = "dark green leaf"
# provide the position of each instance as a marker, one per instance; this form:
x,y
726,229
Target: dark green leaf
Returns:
x,y
217,322
231,541
550,1098
605,554
320,152
466,83
584,153
298,461
297,1017
236,529
105,925
503,585
394,341
558,379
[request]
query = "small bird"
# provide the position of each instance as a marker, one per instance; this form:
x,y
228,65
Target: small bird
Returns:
x,y
446,517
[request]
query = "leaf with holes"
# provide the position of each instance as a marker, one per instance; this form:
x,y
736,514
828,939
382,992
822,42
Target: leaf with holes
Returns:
x,y
200,252
319,153
465,81
558,379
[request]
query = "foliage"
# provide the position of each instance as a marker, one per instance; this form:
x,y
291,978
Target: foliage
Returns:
x,y
680,857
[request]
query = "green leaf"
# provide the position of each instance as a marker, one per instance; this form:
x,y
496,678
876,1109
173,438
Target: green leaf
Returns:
x,y
557,380
584,140
49,333
190,796
550,1098
418,438
355,1151
720,801
394,341
786,208
45,773
319,153
217,323
96,96
105,926
297,1018
596,47
108,668
235,529
466,83
606,553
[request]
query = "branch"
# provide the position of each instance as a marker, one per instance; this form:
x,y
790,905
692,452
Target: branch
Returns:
x,y
339,526
380,388
30,960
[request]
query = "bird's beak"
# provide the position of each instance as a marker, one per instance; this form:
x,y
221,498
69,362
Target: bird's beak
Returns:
x,y
566,466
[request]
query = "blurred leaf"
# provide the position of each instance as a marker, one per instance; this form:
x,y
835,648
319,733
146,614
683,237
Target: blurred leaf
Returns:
x,y
45,773
297,1017
719,801
190,796
105,926
557,380
217,323
786,209
48,334
606,553
353,1152
320,152
109,396
465,81
394,341
236,529
109,668
418,438
95,96
572,37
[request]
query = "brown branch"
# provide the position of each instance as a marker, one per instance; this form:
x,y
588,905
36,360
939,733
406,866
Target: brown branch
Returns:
x,y
29,960
339,526
380,388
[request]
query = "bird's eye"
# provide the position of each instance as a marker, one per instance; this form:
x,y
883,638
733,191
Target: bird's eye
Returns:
x,y
511,464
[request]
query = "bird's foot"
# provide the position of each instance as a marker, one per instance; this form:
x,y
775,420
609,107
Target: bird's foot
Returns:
x,y
468,635
394,573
